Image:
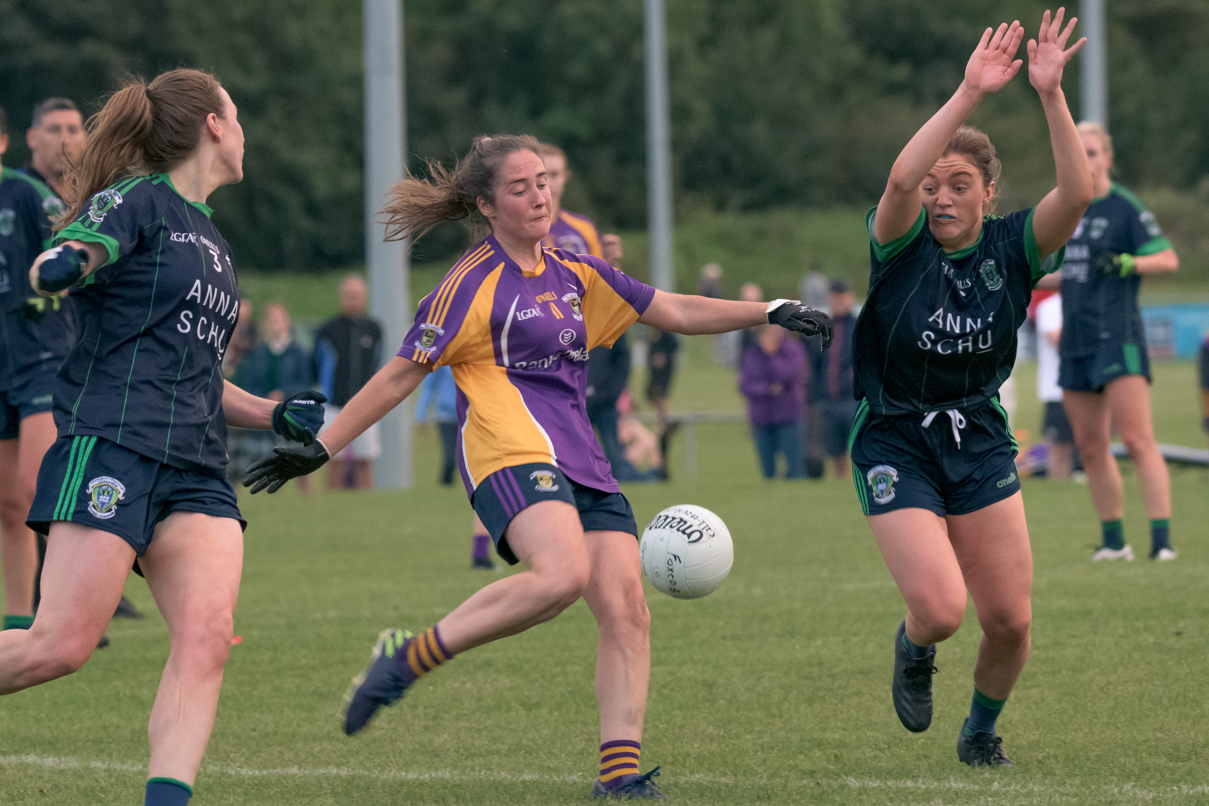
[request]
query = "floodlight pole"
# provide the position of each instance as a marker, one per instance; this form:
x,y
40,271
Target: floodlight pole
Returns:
x,y
1094,68
658,147
382,32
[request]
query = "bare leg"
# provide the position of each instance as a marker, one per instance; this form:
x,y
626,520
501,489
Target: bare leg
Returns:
x,y
82,581
842,467
193,568
548,538
335,474
623,654
1129,400
993,548
1089,417
18,545
1058,461
363,474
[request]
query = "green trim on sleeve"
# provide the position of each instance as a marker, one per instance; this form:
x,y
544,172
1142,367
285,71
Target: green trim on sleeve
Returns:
x,y
1039,266
1153,247
884,252
75,231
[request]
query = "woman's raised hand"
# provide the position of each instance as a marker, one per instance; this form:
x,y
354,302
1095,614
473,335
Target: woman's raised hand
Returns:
x,y
1048,54
993,63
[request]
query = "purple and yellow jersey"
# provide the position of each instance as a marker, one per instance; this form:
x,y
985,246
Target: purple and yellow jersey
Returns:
x,y
518,344
575,234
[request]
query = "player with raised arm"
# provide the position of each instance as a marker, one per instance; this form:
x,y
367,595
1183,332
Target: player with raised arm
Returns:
x,y
1105,371
516,321
137,473
932,453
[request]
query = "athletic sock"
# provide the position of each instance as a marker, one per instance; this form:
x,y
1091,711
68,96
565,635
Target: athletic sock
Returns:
x,y
18,622
619,763
983,713
482,544
167,792
1114,534
916,651
1160,535
422,654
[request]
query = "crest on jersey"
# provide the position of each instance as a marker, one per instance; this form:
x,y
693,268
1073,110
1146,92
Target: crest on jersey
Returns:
x,y
428,336
990,275
102,203
6,221
881,482
53,206
572,299
104,493
545,481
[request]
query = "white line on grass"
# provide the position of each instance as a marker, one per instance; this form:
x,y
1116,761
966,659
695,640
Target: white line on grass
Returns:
x,y
1125,791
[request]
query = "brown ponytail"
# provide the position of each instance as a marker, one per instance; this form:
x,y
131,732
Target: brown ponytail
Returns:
x,y
142,129
414,206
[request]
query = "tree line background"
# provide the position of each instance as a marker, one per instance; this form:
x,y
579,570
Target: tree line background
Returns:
x,y
775,103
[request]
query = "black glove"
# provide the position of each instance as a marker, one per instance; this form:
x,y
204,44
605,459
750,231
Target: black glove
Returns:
x,y
274,471
299,417
62,269
791,314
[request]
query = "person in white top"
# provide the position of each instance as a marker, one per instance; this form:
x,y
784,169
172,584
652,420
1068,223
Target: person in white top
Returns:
x,y
1058,435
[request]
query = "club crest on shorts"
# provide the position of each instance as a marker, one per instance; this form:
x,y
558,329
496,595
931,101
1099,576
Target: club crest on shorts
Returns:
x,y
104,493
428,336
102,203
7,217
881,482
990,275
572,299
545,481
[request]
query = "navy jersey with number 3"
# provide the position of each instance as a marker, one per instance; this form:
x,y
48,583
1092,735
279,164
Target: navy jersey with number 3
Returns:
x,y
154,322
938,330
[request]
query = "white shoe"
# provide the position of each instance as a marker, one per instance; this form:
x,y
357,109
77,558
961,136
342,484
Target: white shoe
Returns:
x,y
1124,553
1164,554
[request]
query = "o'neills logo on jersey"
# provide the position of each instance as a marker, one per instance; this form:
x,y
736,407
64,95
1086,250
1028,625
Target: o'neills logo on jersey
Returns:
x,y
428,336
572,299
103,496
7,216
102,203
990,275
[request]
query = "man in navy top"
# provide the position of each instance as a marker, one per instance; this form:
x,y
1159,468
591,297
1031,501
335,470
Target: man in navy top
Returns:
x,y
831,378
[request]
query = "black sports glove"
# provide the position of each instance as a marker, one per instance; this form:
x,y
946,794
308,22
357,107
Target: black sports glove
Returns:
x,y
274,471
791,314
299,417
62,269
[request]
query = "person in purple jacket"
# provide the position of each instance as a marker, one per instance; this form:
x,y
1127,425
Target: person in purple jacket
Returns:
x,y
515,321
772,376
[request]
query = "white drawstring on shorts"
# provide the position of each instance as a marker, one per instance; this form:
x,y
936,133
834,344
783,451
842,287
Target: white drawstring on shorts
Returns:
x,y
956,419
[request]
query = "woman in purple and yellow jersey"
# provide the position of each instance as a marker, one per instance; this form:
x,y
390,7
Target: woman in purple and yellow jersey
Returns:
x,y
137,473
516,321
569,231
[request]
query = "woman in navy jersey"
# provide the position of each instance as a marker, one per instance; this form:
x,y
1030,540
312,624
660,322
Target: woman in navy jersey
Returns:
x,y
1105,371
932,453
137,474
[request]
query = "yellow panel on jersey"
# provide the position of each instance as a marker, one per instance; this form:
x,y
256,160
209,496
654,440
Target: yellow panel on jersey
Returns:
x,y
499,430
606,313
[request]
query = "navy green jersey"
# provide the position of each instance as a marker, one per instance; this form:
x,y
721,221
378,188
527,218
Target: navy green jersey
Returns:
x,y
154,321
1101,307
938,330
34,332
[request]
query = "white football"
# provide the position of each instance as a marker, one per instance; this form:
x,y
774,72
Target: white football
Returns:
x,y
686,551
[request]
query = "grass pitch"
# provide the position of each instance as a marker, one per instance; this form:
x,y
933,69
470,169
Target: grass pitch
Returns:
x,y
775,689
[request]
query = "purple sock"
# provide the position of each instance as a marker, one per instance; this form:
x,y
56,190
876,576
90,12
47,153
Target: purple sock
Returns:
x,y
482,544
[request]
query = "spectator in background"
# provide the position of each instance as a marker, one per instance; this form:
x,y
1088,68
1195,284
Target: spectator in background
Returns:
x,y
347,354
831,378
748,292
275,368
1204,366
1055,427
608,377
56,138
711,281
438,402
661,367
772,376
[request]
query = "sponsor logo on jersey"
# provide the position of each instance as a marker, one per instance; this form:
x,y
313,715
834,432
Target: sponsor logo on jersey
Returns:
x,y
183,237
7,217
881,482
545,481
528,313
573,300
567,336
104,493
1005,482
102,203
428,336
990,275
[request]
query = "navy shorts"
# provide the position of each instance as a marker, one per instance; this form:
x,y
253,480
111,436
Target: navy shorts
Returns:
x,y
1056,426
99,484
29,394
835,424
1091,373
898,463
502,495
